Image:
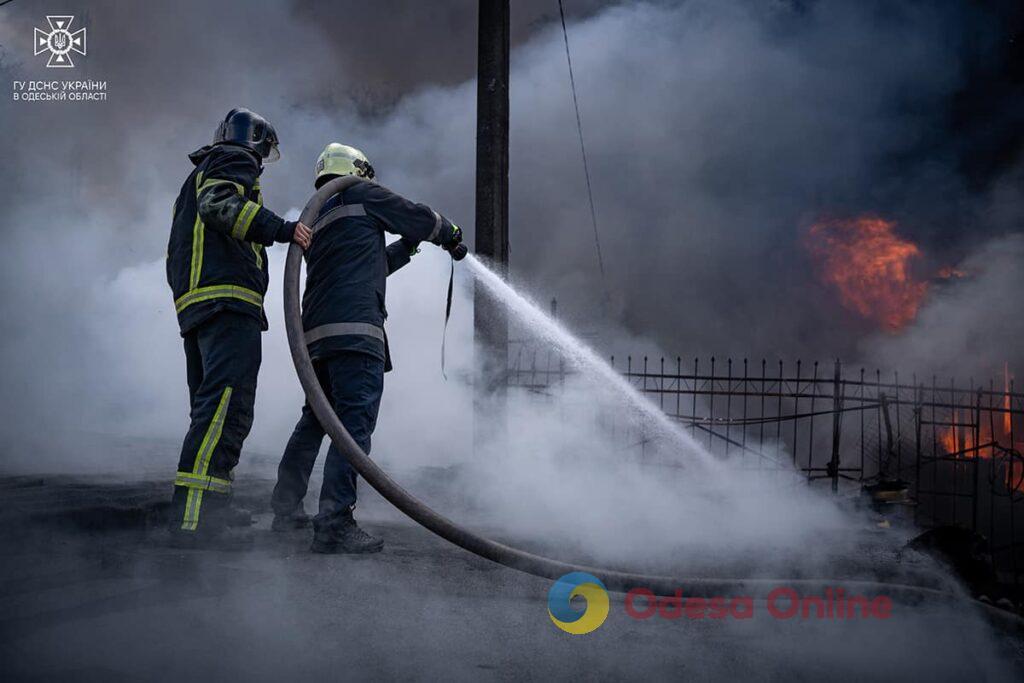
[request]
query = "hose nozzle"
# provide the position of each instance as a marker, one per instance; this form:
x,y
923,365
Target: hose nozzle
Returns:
x,y
458,252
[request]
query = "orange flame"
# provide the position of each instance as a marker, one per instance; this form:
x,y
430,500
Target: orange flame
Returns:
x,y
948,440
869,265
958,440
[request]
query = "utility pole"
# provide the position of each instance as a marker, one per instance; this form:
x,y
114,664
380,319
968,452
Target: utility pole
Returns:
x,y
490,319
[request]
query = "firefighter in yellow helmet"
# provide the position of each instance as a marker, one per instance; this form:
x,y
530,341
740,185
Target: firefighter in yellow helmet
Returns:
x,y
343,316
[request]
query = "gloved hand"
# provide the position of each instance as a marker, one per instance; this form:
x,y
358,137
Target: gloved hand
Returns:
x,y
412,246
451,241
450,236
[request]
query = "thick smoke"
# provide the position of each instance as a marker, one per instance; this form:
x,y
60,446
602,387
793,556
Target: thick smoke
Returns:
x,y
716,132
966,325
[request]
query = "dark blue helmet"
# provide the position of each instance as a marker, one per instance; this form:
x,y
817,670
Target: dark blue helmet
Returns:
x,y
249,129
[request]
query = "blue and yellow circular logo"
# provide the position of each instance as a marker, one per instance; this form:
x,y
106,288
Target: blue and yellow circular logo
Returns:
x,y
565,589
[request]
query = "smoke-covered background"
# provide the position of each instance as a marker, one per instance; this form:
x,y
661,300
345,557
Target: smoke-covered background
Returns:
x,y
718,132
745,156
719,135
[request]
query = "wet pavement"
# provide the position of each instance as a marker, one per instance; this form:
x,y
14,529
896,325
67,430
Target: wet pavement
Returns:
x,y
89,592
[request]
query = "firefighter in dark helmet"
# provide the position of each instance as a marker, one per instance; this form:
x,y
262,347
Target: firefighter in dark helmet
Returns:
x,y
343,317
217,270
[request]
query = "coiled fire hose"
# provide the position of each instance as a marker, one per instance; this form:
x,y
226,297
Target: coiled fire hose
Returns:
x,y
506,555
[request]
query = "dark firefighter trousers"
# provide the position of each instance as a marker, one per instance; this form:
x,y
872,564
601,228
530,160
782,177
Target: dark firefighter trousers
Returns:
x,y
222,357
354,382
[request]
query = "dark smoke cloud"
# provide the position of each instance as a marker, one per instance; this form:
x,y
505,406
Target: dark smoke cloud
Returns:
x,y
962,331
719,131
429,43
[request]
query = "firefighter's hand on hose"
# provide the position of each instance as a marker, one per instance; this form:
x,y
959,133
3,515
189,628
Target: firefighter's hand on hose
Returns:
x,y
451,241
303,235
294,231
449,236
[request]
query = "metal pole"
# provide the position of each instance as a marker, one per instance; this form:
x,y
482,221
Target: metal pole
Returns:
x,y
977,460
837,423
992,469
883,401
1011,489
810,430
918,416
899,429
796,411
490,319
728,407
711,402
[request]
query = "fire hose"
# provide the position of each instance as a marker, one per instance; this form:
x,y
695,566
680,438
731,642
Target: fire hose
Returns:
x,y
501,553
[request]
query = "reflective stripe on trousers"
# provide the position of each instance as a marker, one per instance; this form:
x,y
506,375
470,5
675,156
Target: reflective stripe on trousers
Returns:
x,y
195,492
194,481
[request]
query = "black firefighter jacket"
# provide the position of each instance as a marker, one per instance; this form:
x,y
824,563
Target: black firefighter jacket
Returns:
x,y
215,257
347,265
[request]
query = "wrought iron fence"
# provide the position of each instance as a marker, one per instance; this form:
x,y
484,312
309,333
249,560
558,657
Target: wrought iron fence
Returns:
x,y
954,449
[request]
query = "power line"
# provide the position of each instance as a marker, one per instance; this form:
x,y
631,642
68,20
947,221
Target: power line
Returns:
x,y
4,2
583,148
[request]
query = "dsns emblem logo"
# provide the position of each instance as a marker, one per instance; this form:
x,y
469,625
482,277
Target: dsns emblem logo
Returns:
x,y
59,41
565,589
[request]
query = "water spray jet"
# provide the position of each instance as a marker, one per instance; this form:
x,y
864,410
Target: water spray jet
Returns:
x,y
548,330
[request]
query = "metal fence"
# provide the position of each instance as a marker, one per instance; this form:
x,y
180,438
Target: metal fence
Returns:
x,y
953,449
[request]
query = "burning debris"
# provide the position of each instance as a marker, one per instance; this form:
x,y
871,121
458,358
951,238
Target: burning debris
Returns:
x,y
986,439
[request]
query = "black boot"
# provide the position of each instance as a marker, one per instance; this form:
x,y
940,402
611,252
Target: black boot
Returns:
x,y
211,537
296,520
345,536
221,526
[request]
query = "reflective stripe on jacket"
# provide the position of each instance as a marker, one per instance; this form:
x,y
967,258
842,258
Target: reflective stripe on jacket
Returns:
x,y
348,262
215,256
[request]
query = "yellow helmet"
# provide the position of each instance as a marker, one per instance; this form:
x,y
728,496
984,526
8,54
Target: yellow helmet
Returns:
x,y
338,160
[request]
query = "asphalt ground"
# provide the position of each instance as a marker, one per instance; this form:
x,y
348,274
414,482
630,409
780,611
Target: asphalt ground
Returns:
x,y
89,591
